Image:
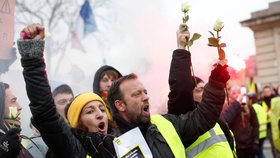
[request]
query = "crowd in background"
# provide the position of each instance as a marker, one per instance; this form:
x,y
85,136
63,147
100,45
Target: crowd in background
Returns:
x,y
203,119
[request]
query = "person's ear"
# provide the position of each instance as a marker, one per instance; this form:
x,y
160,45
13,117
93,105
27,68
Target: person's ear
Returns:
x,y
120,106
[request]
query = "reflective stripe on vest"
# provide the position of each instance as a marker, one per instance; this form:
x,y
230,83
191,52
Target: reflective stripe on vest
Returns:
x,y
267,110
211,144
171,136
262,119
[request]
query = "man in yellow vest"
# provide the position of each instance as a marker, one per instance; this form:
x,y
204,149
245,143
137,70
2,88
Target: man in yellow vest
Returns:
x,y
252,87
269,101
130,103
262,120
218,140
183,91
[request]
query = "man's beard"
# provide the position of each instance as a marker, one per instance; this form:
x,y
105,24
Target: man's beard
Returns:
x,y
141,120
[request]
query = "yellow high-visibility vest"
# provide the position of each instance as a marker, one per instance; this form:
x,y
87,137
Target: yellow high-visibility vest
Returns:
x,y
267,110
252,88
262,119
275,115
171,136
211,144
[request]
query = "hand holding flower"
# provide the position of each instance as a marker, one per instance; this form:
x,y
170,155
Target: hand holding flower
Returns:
x,y
185,7
214,41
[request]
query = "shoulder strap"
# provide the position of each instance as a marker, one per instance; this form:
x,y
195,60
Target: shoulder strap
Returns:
x,y
171,136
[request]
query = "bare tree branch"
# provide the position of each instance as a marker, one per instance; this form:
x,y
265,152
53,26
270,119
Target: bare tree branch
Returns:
x,y
57,16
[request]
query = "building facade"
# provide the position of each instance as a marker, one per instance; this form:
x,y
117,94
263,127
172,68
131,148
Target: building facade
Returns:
x,y
266,27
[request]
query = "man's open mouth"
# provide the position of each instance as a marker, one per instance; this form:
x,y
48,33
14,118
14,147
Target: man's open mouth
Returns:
x,y
146,109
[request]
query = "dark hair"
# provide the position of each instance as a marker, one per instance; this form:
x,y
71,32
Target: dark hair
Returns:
x,y
267,86
198,80
64,88
6,85
253,98
110,73
115,92
66,109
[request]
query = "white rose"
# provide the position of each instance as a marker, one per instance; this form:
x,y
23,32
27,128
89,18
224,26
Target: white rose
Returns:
x,y
218,25
185,7
13,112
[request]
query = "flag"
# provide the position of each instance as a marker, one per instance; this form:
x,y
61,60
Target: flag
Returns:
x,y
88,18
76,42
85,25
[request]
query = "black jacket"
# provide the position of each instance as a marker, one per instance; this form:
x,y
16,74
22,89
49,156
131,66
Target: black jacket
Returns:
x,y
189,126
246,133
61,140
181,86
180,83
4,128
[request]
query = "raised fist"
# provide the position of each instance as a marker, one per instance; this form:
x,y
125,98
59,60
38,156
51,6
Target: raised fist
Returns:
x,y
33,31
183,36
220,74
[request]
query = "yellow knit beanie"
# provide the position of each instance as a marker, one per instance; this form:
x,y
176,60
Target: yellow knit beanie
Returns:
x,y
78,104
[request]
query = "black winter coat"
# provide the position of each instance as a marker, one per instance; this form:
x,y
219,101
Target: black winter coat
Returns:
x,y
63,142
246,132
181,86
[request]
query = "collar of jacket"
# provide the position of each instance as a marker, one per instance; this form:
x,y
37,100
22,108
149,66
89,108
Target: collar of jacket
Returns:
x,y
123,126
96,144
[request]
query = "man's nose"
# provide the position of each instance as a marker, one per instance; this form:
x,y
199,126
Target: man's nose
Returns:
x,y
19,107
146,97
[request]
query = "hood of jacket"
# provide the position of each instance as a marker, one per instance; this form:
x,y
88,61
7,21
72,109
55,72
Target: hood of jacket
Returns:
x,y
97,77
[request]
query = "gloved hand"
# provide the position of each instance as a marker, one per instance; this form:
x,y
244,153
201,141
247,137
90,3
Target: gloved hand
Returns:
x,y
10,145
220,74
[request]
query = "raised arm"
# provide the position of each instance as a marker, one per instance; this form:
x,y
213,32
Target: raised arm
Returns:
x,y
56,134
192,124
180,78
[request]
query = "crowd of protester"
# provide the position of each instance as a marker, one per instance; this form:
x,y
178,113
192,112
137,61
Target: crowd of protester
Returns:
x,y
210,119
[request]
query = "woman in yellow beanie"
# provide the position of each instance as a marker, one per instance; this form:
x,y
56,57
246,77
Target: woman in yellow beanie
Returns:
x,y
87,114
